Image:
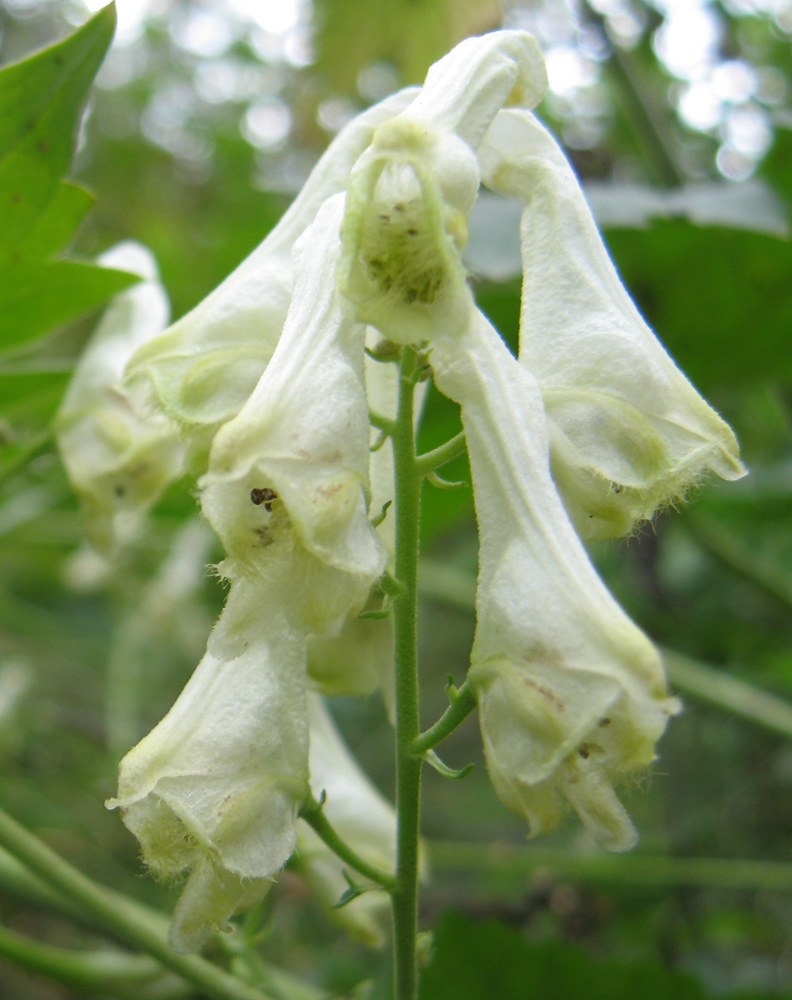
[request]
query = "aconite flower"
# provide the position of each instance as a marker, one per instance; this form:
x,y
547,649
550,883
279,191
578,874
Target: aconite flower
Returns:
x,y
118,454
572,695
628,431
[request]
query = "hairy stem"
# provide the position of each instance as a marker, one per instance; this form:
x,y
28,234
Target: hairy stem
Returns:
x,y
314,816
463,702
408,765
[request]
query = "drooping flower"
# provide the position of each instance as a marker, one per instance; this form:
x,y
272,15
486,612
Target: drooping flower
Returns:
x,y
363,819
572,696
119,456
628,431
203,368
216,786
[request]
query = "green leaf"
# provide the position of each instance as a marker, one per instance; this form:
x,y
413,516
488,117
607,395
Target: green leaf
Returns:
x,y
56,225
36,297
456,774
40,102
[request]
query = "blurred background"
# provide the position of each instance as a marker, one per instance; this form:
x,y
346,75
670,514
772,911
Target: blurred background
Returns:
x,y
205,120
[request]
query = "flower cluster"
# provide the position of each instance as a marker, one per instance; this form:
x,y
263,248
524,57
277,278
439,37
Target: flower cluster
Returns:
x,y
266,388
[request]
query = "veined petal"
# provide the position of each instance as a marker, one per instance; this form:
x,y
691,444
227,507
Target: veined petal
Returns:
x,y
571,693
411,191
216,786
298,450
360,815
204,367
119,456
628,431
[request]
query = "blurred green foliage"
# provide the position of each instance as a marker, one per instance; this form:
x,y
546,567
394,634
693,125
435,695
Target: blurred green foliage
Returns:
x,y
181,149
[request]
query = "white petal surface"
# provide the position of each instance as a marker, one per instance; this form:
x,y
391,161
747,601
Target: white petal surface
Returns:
x,y
411,191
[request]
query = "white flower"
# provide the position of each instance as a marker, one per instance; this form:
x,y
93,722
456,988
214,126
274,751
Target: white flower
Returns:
x,y
288,476
204,367
363,819
628,431
118,455
411,191
216,786
572,695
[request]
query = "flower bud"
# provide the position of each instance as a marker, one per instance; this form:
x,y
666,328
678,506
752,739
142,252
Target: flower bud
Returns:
x,y
119,456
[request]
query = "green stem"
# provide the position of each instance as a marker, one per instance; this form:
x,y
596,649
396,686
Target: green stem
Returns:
x,y
730,693
742,560
408,765
508,865
314,816
129,976
433,459
119,915
463,702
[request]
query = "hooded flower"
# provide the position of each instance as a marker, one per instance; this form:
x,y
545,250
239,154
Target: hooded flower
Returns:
x,y
411,192
216,786
572,695
362,818
118,455
204,367
628,431
288,476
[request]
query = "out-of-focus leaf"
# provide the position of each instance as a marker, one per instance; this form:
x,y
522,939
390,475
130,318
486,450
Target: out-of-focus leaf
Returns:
x,y
720,299
36,297
40,102
409,34
487,960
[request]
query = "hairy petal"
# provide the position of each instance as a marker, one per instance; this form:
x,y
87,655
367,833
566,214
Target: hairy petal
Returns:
x,y
628,431
572,695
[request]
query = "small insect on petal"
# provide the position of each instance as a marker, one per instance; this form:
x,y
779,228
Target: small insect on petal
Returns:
x,y
263,496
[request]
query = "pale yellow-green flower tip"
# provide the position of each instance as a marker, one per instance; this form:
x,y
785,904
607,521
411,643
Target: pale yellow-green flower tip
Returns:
x,y
118,454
